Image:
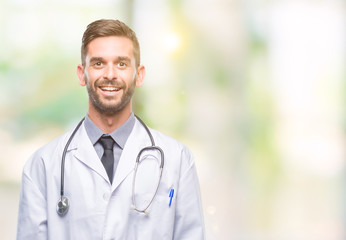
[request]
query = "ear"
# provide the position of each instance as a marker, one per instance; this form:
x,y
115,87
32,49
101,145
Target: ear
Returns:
x,y
140,75
80,74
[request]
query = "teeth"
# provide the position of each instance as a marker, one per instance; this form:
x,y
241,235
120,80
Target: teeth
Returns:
x,y
110,89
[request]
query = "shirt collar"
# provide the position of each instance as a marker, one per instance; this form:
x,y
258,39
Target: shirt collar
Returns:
x,y
120,135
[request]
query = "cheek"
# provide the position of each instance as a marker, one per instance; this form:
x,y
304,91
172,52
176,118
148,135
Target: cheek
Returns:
x,y
127,77
134,76
87,79
92,76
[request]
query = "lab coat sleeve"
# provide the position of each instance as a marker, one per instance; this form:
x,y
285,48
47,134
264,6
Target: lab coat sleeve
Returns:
x,y
189,222
32,215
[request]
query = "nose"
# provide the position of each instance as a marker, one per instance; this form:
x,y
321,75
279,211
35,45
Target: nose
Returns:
x,y
110,72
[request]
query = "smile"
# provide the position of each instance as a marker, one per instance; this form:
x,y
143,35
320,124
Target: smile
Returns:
x,y
110,89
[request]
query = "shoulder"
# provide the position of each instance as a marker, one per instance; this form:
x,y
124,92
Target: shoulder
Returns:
x,y
46,153
172,146
161,138
176,154
56,144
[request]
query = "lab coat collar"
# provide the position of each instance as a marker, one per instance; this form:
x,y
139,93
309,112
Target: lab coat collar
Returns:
x,y
119,135
85,152
137,140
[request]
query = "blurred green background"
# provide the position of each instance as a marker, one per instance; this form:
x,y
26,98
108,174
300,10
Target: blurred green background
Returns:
x,y
255,88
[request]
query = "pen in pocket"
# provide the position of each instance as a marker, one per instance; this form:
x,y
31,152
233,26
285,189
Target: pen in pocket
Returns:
x,y
171,194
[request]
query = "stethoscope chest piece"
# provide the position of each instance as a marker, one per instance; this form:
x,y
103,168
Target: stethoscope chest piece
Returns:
x,y
63,206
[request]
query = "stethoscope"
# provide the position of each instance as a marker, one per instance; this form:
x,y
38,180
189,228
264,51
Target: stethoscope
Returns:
x,y
64,203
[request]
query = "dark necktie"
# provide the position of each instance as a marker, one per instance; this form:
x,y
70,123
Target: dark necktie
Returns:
x,y
108,157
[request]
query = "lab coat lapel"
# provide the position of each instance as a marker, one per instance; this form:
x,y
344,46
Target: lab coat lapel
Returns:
x,y
137,140
85,152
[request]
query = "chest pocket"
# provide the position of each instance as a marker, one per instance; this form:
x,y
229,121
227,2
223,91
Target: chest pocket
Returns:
x,y
147,180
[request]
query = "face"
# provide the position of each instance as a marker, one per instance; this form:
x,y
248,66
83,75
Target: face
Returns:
x,y
110,74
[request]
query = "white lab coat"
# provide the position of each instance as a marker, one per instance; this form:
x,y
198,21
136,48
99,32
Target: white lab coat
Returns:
x,y
99,210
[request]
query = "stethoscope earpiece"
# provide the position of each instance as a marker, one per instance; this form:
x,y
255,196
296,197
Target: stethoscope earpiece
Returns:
x,y
62,206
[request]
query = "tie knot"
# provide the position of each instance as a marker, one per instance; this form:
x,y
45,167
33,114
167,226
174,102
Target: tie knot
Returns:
x,y
107,142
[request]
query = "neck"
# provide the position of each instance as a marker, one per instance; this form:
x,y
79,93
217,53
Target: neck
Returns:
x,y
108,123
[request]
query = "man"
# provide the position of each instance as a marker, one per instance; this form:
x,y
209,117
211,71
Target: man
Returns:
x,y
107,198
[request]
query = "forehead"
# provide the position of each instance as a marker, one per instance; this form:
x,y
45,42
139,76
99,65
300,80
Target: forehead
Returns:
x,y
108,47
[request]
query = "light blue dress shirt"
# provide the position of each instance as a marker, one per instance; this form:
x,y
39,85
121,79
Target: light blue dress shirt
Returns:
x,y
120,136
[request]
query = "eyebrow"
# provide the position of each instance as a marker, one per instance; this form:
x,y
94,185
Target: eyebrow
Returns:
x,y
119,58
124,58
96,59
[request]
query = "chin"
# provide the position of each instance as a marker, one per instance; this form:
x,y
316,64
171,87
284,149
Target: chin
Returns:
x,y
112,109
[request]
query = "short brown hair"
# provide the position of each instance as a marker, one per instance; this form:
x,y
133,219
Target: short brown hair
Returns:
x,y
107,28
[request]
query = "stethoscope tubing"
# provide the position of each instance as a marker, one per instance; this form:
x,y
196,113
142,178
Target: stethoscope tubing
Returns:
x,y
62,182
133,206
63,203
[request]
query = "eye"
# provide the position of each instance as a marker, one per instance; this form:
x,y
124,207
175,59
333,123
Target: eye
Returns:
x,y
98,64
122,64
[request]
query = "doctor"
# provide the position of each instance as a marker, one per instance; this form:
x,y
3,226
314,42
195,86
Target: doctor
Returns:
x,y
103,189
